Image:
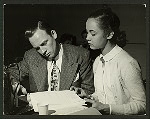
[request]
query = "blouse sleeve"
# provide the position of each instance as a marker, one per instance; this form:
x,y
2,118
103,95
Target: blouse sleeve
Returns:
x,y
131,75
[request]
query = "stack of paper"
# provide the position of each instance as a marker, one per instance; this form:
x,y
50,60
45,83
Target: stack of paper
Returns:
x,y
63,102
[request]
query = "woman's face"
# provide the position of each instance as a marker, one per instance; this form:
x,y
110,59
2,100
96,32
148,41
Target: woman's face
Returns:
x,y
95,35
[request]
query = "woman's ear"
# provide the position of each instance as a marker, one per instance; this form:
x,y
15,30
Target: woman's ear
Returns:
x,y
111,34
54,34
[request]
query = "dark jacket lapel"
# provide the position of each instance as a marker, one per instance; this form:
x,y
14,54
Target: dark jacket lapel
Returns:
x,y
68,69
39,70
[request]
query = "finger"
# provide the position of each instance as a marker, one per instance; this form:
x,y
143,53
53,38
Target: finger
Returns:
x,y
97,105
78,91
13,88
72,88
18,88
88,97
83,94
24,91
29,100
80,95
88,104
28,97
94,105
89,100
95,98
30,104
11,77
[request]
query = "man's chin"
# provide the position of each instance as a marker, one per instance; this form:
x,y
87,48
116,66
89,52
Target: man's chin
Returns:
x,y
49,58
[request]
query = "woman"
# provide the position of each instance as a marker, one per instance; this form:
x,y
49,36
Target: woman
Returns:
x,y
117,75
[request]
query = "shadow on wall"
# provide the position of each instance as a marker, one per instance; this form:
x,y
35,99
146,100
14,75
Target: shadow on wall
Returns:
x,y
138,51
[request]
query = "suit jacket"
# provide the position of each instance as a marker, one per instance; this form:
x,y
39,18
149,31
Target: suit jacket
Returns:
x,y
74,60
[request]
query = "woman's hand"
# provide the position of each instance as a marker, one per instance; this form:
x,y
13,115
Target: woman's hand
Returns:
x,y
79,91
103,108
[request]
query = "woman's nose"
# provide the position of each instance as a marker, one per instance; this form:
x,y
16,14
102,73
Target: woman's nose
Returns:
x,y
88,37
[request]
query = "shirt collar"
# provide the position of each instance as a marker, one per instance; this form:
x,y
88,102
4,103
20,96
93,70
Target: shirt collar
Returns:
x,y
61,51
60,54
112,53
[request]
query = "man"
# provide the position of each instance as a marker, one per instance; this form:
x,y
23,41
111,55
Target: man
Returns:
x,y
73,63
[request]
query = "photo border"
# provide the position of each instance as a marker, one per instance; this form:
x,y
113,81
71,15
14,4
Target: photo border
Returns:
x,y
75,2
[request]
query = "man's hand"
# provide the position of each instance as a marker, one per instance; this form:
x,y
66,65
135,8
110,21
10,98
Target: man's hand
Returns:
x,y
79,91
16,87
29,100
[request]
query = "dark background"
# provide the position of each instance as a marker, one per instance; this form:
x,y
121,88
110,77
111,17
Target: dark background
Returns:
x,y
71,19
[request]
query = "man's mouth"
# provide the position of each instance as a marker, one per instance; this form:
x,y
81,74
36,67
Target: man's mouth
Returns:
x,y
48,54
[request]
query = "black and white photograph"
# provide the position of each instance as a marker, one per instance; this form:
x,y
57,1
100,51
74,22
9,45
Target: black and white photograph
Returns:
x,y
75,59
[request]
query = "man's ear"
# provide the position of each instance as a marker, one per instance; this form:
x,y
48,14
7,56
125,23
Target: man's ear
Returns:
x,y
111,34
54,34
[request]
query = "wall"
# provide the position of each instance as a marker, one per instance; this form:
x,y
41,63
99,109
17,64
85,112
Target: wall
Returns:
x,y
71,19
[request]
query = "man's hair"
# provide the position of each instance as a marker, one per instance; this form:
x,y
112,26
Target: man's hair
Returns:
x,y
84,32
40,24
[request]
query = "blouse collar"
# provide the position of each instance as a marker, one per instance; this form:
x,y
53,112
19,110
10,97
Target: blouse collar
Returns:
x,y
112,53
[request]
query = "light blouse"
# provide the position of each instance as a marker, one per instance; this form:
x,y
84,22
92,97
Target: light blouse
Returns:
x,y
118,82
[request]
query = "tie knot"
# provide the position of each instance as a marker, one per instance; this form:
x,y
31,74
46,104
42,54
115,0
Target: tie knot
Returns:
x,y
102,59
54,61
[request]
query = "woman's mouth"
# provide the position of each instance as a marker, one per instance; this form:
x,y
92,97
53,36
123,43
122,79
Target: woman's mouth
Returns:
x,y
90,44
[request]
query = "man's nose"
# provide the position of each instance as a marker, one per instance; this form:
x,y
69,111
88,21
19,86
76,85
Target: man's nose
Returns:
x,y
43,50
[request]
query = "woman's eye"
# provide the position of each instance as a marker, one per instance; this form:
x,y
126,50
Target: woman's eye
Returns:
x,y
93,34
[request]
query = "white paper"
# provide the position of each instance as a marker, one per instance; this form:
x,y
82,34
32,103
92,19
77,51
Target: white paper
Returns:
x,y
69,110
63,102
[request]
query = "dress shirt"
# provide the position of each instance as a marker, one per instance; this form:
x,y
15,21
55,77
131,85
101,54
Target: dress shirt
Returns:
x,y
50,66
58,63
118,83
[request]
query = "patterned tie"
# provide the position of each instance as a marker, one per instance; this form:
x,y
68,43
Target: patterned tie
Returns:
x,y
55,77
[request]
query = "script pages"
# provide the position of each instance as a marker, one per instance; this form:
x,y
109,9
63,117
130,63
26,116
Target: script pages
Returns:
x,y
62,102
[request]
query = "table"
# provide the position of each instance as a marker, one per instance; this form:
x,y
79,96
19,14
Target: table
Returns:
x,y
25,109
88,111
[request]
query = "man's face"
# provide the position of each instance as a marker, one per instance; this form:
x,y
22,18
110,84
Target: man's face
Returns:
x,y
44,43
